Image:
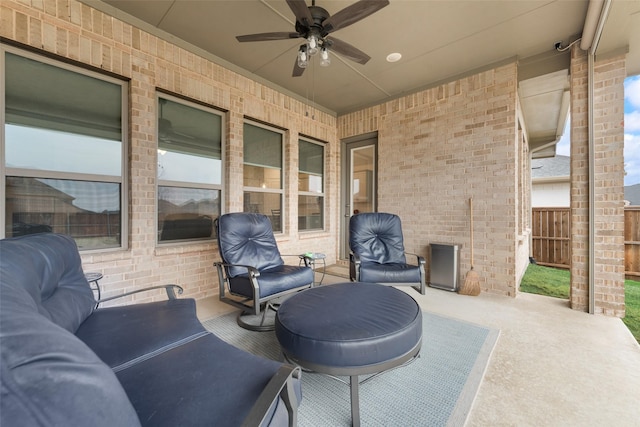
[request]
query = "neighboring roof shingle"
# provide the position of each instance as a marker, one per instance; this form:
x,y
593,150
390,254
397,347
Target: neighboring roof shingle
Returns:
x,y
557,166
632,194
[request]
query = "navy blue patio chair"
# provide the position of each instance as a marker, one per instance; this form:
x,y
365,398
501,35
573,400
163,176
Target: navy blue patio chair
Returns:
x,y
378,255
252,274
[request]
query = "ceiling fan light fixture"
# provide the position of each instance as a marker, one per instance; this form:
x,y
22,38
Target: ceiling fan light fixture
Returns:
x,y
312,45
303,57
325,60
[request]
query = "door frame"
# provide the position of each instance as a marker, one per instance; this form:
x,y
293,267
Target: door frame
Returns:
x,y
346,145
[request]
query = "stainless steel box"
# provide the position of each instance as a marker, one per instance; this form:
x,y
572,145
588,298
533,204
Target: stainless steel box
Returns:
x,y
444,266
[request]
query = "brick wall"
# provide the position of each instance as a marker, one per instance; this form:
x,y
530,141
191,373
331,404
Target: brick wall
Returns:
x,y
608,176
75,31
439,147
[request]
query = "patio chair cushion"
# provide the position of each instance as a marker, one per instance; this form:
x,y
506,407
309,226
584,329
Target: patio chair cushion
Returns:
x,y
248,236
377,238
389,273
272,281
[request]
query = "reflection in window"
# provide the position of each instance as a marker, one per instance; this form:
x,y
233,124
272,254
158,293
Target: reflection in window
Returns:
x,y
63,152
262,173
186,213
310,186
189,170
39,149
267,204
88,211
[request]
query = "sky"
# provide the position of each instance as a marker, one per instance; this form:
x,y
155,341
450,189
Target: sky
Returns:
x,y
631,132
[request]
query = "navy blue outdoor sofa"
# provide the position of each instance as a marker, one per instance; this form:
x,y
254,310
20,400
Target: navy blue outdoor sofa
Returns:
x,y
66,363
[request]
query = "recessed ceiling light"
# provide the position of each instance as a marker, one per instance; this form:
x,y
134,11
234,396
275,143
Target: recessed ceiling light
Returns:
x,y
394,57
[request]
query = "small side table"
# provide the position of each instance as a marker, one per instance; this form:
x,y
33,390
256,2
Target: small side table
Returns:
x,y
310,259
92,278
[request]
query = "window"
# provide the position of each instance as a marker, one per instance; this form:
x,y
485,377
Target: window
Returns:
x,y
262,173
310,186
63,151
189,170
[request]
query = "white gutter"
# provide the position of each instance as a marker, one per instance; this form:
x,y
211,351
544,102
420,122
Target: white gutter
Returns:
x,y
594,23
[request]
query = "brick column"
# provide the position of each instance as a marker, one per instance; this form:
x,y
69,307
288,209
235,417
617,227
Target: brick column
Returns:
x,y
579,193
234,156
609,194
608,178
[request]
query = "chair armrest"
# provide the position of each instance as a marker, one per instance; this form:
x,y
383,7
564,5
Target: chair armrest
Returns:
x,y
420,259
354,267
299,256
280,385
224,281
250,269
168,288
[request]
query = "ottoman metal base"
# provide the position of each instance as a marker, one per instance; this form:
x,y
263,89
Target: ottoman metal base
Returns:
x,y
354,375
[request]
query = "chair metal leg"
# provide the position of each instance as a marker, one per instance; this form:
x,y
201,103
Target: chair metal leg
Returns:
x,y
355,400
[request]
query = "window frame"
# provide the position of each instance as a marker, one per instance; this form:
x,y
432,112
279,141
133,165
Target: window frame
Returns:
x,y
311,193
186,184
266,190
121,180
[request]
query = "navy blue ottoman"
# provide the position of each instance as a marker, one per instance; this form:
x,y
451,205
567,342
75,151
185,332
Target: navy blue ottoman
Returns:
x,y
350,329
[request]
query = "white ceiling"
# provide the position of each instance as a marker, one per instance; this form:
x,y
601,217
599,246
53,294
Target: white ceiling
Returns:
x,y
438,40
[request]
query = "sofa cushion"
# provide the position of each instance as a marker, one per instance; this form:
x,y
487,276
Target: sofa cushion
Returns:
x,y
48,268
141,330
209,380
49,377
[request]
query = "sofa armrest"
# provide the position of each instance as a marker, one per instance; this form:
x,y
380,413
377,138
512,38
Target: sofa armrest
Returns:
x,y
280,386
170,289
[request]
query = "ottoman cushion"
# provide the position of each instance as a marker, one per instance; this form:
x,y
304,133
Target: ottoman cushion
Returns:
x,y
348,325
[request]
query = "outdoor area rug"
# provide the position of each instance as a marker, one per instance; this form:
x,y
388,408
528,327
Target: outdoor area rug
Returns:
x,y
437,389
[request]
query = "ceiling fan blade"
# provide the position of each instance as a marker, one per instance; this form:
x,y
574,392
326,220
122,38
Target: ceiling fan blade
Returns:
x,y
267,37
348,51
297,71
352,14
301,11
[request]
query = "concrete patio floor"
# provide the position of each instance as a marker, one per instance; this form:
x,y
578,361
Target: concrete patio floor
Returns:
x,y
551,366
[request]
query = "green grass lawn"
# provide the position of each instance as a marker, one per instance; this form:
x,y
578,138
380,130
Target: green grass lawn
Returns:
x,y
554,282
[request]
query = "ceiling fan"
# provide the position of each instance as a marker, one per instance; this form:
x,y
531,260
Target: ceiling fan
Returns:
x,y
314,24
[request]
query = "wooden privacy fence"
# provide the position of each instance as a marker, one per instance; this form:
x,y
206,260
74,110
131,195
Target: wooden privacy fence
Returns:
x,y
551,235
632,241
